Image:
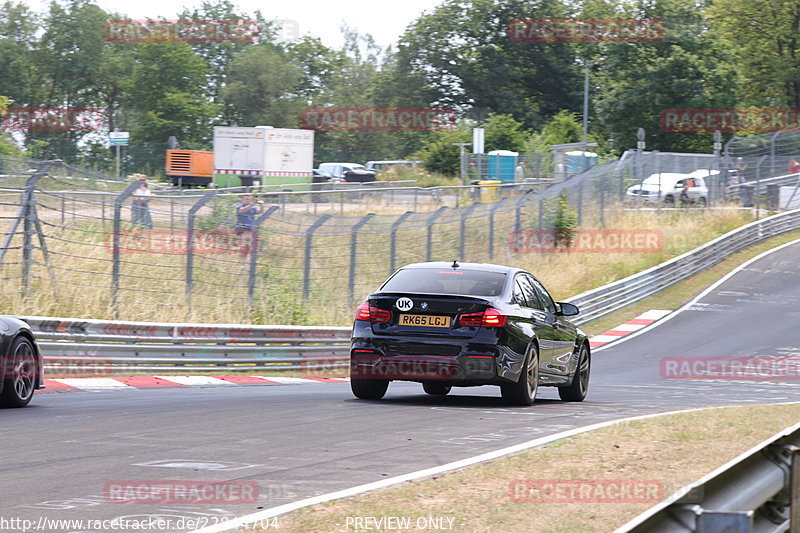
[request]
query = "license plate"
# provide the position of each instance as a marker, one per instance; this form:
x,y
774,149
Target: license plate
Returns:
x,y
428,321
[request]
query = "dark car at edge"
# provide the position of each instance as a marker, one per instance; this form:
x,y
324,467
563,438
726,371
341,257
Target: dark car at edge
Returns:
x,y
21,365
450,325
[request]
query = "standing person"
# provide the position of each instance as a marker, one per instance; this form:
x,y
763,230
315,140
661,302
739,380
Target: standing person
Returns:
x,y
519,172
246,213
246,222
141,205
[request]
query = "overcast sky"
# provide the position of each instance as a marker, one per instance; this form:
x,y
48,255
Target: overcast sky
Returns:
x,y
321,18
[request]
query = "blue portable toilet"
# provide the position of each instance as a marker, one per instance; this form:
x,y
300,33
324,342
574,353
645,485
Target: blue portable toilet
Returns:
x,y
501,165
575,163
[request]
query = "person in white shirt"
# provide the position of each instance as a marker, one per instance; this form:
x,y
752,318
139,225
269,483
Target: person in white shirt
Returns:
x,y
141,206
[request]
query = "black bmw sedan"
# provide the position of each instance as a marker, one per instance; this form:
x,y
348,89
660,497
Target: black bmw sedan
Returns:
x,y
21,365
461,325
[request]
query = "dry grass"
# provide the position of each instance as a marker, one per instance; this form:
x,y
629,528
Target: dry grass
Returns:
x,y
153,286
670,452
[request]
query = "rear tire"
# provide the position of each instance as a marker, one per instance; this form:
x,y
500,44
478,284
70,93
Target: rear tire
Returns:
x,y
20,375
702,202
576,391
523,392
369,389
436,389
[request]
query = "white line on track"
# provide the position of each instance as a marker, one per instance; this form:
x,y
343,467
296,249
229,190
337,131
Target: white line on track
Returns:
x,y
243,521
669,316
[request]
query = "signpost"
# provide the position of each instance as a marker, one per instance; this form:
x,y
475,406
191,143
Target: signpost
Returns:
x,y
118,138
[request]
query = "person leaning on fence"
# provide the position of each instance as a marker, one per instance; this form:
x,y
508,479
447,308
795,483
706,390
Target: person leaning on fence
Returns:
x,y
141,206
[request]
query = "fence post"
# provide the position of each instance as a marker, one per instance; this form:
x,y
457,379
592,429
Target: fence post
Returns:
x,y
431,219
27,200
518,209
115,265
491,226
307,265
462,228
758,183
254,250
393,240
353,245
190,244
772,151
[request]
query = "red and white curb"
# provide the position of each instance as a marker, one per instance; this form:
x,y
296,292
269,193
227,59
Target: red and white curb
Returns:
x,y
95,384
641,321
151,382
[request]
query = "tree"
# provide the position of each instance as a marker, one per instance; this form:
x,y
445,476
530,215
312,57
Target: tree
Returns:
x,y
167,98
634,82
504,133
261,88
765,40
19,75
469,61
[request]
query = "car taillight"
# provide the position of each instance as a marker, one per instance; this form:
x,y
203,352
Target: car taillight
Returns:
x,y
372,314
490,318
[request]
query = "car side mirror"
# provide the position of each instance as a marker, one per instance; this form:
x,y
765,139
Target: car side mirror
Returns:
x,y
567,309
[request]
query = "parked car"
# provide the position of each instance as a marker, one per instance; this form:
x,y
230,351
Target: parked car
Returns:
x,y
463,325
21,364
666,187
348,171
381,166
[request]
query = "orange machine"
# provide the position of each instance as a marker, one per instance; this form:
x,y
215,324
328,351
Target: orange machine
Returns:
x,y
190,167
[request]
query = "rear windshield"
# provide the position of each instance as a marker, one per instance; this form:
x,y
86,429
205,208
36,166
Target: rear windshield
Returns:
x,y
446,281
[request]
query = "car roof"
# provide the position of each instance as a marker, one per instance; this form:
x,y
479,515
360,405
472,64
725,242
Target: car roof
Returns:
x,y
352,164
486,267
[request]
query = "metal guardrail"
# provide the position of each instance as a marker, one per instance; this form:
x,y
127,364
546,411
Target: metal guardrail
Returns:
x,y
759,491
614,296
67,342
75,346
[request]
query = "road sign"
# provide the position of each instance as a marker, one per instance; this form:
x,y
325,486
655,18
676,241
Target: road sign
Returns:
x,y
119,138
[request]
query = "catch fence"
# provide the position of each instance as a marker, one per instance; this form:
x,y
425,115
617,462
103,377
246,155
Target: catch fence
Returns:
x,y
79,247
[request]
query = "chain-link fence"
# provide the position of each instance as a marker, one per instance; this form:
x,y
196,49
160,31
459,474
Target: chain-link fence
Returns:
x,y
76,244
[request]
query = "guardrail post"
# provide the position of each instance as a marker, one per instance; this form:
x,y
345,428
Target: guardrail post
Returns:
x,y
462,228
491,225
431,219
353,245
190,244
307,264
393,240
115,265
254,251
